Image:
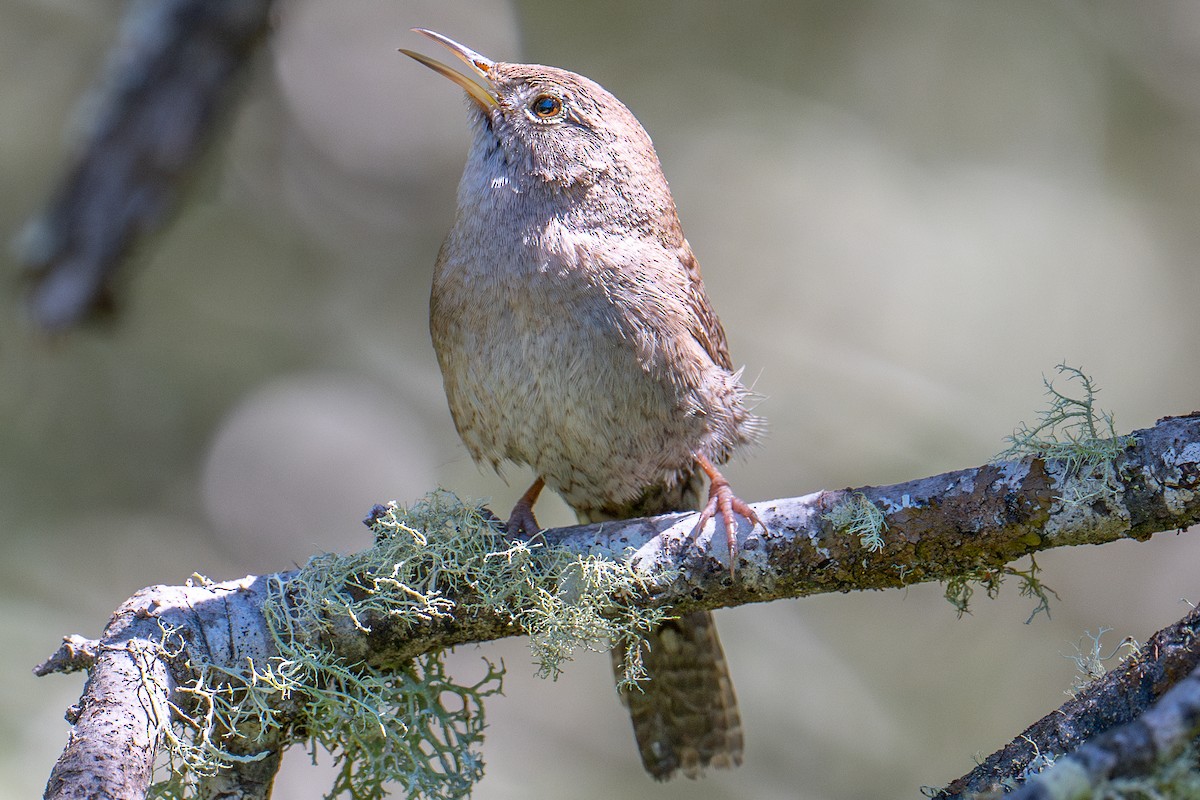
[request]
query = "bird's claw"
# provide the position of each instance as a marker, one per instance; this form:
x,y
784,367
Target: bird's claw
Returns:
x,y
721,499
521,522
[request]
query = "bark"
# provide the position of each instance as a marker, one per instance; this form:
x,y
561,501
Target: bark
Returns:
x,y
246,780
127,701
111,750
1119,698
1130,750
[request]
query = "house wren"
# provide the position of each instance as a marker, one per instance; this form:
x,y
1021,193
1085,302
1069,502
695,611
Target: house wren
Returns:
x,y
574,336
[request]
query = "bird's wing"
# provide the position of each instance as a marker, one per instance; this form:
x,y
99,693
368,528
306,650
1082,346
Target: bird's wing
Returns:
x,y
706,327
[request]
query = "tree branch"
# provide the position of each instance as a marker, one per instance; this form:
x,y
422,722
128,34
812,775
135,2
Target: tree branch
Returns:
x,y
970,522
1118,698
111,750
165,85
936,528
1131,750
130,696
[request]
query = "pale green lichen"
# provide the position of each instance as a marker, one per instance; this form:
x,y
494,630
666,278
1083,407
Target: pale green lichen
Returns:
x,y
1090,661
858,516
415,728
592,606
1176,778
1039,763
1075,433
961,588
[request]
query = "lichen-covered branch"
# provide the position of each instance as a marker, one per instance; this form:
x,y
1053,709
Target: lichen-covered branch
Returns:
x,y
1117,698
969,522
111,750
966,523
1126,753
132,695
245,668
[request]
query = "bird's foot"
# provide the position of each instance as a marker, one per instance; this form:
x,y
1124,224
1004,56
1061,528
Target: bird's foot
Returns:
x,y
722,499
521,522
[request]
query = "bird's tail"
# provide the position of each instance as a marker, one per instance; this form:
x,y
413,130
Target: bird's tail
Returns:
x,y
685,715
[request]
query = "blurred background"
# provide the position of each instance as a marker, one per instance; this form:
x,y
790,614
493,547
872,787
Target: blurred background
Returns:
x,y
906,213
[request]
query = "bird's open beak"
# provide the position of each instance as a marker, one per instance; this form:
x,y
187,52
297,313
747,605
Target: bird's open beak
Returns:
x,y
482,66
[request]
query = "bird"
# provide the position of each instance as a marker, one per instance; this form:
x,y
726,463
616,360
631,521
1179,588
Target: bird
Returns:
x,y
574,336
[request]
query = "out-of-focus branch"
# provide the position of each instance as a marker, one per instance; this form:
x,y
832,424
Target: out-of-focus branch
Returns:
x,y
971,522
1119,698
169,76
1130,751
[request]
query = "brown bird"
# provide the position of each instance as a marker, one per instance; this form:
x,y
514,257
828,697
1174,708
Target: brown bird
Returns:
x,y
574,336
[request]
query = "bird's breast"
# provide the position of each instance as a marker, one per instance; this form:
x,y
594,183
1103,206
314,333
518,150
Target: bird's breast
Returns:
x,y
541,366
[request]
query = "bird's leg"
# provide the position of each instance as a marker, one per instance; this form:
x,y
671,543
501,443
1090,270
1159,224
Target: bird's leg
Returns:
x,y
721,498
521,522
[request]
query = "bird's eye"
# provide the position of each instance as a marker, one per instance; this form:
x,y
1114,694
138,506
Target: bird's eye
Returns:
x,y
546,106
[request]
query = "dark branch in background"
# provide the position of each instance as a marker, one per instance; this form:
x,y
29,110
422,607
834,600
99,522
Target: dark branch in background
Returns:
x,y
968,522
1121,697
1128,752
168,78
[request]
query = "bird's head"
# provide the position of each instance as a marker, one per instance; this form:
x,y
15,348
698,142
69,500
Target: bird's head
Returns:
x,y
548,123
